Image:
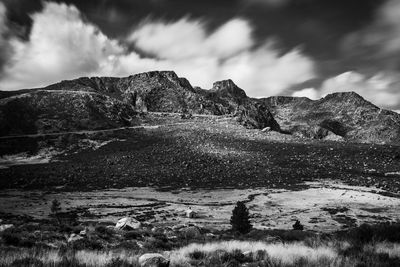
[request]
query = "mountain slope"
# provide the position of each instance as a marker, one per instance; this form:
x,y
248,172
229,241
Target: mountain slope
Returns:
x,y
106,102
43,111
346,115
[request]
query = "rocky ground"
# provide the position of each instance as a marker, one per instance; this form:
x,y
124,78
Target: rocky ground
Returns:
x,y
199,152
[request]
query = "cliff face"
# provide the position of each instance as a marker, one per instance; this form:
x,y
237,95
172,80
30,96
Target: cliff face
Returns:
x,y
346,115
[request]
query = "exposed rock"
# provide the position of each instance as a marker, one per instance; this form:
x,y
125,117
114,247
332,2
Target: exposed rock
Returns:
x,y
4,227
74,237
128,223
153,260
190,213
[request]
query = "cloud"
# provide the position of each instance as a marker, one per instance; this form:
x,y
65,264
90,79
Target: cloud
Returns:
x,y
311,93
379,41
62,45
228,52
273,3
4,45
381,89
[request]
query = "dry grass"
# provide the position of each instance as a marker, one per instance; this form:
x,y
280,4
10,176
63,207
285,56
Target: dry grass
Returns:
x,y
333,254
282,253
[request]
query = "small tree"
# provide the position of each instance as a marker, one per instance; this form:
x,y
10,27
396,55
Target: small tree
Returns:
x,y
298,226
240,218
55,209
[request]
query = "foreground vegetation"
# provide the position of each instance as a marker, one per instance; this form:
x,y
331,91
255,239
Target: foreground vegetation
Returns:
x,y
44,243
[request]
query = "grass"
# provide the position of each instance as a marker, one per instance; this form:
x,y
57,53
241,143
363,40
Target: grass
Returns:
x,y
225,253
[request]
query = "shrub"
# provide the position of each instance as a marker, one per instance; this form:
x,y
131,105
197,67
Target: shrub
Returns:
x,y
197,255
240,218
379,232
55,207
298,226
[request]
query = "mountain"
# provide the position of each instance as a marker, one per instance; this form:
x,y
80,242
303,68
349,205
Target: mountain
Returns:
x,y
107,102
345,116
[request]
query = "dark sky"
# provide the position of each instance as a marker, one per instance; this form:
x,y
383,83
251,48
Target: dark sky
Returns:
x,y
317,25
334,34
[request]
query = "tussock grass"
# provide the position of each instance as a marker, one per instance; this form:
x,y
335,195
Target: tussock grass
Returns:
x,y
287,254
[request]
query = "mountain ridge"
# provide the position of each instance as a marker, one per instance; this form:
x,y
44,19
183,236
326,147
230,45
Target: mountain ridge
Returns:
x,y
343,115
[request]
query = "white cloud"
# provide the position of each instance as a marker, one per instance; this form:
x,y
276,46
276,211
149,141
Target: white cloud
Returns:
x,y
63,46
60,46
311,93
381,89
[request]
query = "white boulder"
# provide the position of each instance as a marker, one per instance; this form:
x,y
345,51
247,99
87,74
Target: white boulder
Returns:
x,y
128,223
153,260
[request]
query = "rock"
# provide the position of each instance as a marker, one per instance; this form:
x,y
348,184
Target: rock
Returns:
x,y
190,213
153,260
178,227
5,227
83,232
74,237
128,223
333,137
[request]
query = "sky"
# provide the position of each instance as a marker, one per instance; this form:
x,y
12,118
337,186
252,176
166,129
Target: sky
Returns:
x,y
267,47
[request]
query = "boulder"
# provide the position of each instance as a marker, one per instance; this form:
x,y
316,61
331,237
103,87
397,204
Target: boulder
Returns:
x,y
5,226
74,237
190,213
128,223
153,260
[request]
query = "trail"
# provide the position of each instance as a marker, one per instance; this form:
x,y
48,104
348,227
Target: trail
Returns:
x,y
94,131
118,128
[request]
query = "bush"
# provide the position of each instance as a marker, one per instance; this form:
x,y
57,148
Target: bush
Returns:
x,y
240,218
380,232
298,226
55,207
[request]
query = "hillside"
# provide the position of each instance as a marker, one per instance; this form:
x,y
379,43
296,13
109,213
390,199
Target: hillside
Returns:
x,y
338,116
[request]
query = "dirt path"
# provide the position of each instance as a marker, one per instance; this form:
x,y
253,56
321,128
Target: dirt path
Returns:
x,y
94,131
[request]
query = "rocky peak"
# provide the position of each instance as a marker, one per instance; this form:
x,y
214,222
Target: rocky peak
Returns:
x,y
161,77
351,98
228,88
